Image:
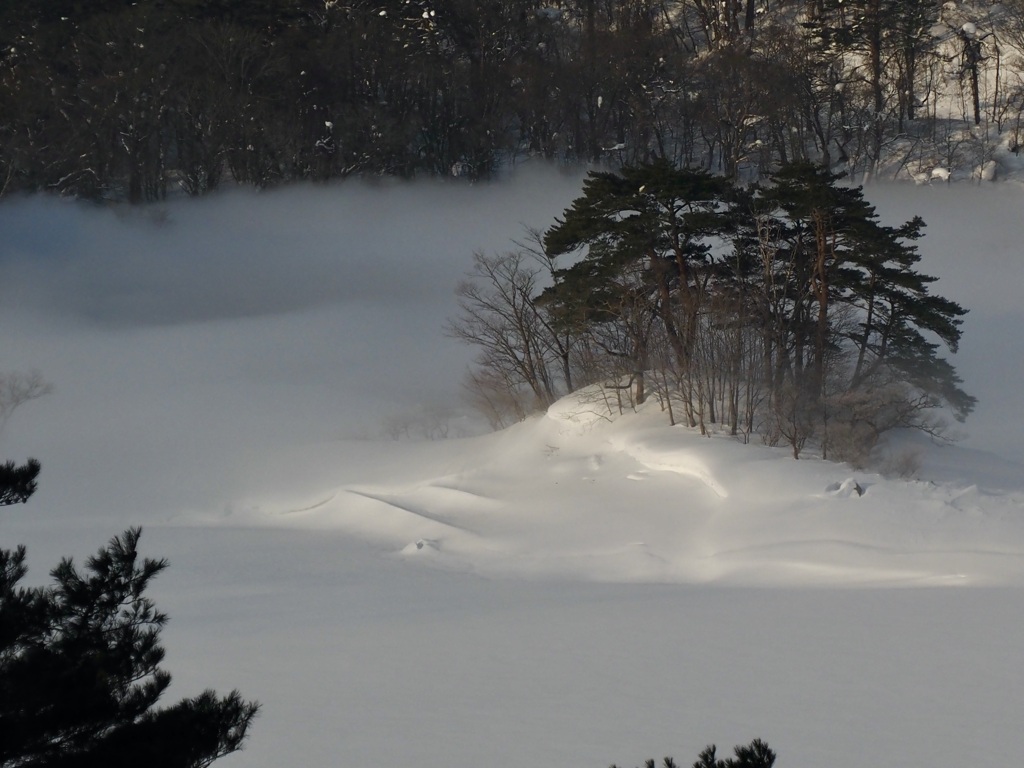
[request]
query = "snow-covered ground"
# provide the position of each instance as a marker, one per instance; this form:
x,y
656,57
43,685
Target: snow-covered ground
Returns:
x,y
581,589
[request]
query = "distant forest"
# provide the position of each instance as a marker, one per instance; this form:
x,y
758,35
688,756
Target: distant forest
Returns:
x,y
115,100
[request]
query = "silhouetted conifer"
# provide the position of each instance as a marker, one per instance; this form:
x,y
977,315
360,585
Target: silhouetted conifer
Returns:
x,y
756,754
17,483
80,672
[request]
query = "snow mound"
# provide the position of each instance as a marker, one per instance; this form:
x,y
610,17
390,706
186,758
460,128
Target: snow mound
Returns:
x,y
586,492
422,545
844,490
584,409
661,452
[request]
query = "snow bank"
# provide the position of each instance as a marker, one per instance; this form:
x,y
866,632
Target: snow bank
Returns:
x,y
587,493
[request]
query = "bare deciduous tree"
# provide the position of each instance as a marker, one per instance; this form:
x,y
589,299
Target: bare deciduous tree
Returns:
x,y
524,363
16,389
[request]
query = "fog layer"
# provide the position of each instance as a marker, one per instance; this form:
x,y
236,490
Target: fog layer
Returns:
x,y
216,346
209,350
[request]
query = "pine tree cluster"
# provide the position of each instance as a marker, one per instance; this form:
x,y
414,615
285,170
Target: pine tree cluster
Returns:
x,y
784,309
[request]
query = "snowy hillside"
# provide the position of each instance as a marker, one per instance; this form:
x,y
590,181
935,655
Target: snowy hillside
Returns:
x,y
584,493
586,587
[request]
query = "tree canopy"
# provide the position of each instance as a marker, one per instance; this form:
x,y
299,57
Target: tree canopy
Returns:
x,y
784,308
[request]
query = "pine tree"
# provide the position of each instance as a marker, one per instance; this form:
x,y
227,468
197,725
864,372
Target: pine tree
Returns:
x,y
791,293
18,483
756,754
80,672
850,312
646,232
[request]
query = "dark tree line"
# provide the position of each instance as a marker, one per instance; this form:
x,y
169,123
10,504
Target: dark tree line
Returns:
x,y
132,100
783,308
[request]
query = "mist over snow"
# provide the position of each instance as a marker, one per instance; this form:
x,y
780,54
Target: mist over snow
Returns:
x,y
580,589
194,345
973,244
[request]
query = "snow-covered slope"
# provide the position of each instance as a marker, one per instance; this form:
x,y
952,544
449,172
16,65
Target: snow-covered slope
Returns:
x,y
584,492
